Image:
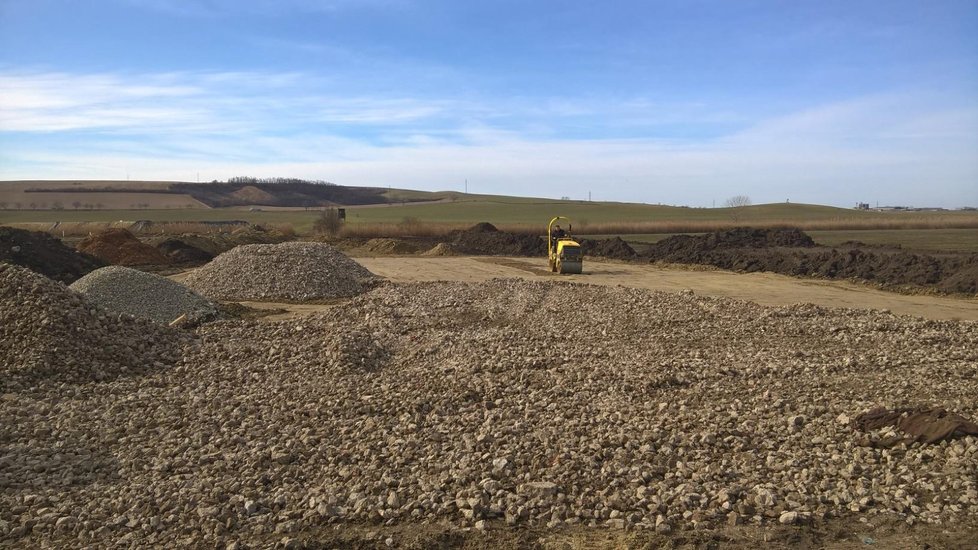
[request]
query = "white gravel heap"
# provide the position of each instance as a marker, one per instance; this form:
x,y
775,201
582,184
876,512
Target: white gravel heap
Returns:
x,y
509,402
50,335
145,295
295,271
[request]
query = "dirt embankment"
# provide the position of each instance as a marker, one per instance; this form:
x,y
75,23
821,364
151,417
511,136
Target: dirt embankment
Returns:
x,y
792,252
120,247
485,239
608,248
44,254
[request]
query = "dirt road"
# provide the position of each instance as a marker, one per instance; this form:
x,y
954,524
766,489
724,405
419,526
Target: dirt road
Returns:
x,y
763,288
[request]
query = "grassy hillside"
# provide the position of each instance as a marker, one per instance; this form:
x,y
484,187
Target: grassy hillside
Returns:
x,y
505,210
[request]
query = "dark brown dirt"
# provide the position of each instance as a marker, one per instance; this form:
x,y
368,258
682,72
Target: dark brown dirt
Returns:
x,y
614,248
181,252
485,239
44,254
926,425
120,247
792,252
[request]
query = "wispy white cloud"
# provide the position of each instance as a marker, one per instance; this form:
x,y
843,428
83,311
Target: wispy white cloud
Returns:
x,y
908,148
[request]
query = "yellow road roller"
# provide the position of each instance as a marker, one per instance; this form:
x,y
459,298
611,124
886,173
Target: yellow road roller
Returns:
x,y
563,252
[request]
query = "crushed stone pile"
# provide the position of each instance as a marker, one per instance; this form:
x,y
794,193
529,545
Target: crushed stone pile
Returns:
x,y
144,295
389,246
181,252
51,335
614,248
485,239
495,404
792,252
297,271
44,254
118,246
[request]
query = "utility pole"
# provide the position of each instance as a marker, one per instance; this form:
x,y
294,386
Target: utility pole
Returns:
x,y
466,186
589,196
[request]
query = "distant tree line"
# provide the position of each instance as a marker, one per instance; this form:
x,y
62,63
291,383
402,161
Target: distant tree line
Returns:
x,y
248,180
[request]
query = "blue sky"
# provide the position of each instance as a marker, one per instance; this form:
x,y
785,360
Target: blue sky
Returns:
x,y
675,102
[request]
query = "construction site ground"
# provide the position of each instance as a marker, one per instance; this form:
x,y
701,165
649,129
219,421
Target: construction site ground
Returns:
x,y
763,288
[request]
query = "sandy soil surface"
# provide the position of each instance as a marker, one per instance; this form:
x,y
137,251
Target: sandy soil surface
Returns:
x,y
762,288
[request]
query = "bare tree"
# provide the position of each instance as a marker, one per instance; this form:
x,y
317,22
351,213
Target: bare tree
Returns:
x,y
737,201
328,223
76,204
3,205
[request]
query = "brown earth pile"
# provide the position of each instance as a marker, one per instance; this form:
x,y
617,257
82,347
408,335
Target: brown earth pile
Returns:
x,y
389,246
120,247
792,252
742,237
608,248
181,252
485,239
44,254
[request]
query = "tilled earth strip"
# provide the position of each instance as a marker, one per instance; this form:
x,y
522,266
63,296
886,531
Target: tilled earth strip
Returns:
x,y
507,402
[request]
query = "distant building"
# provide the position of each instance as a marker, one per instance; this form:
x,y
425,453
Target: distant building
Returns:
x,y
862,206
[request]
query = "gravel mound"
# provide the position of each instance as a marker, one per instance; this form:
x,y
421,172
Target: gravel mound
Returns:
x,y
44,254
144,295
120,247
484,239
49,334
289,271
498,403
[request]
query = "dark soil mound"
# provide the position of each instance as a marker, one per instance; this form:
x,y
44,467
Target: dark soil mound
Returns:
x,y
44,254
793,253
120,247
483,227
963,280
485,240
181,252
742,237
608,248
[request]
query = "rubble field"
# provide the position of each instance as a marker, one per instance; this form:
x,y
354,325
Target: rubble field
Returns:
x,y
497,414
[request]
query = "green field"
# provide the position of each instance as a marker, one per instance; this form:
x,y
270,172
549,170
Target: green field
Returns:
x,y
498,211
828,225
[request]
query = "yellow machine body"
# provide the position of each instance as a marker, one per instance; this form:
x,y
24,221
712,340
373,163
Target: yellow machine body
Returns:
x,y
563,253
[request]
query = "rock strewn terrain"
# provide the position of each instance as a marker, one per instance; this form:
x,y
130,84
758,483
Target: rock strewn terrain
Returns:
x,y
507,402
